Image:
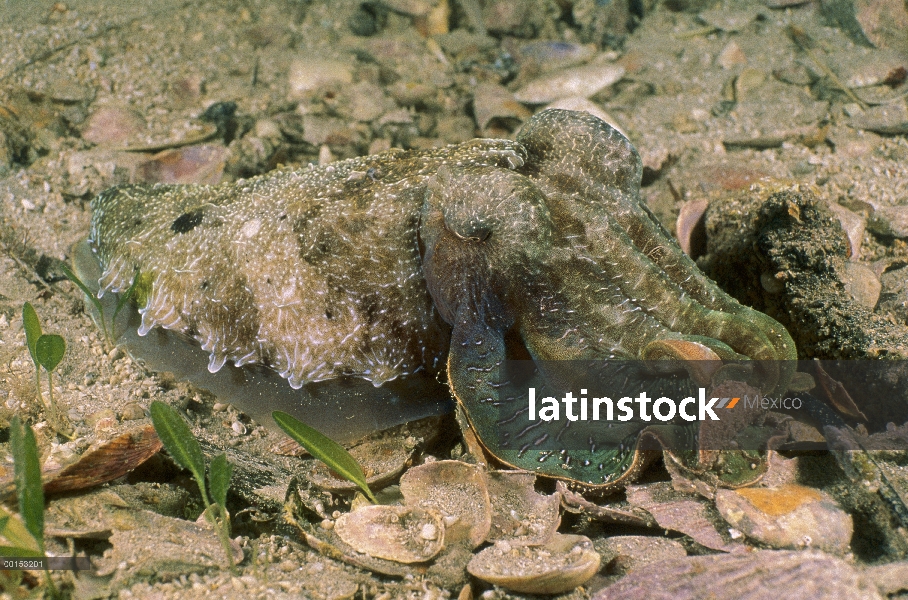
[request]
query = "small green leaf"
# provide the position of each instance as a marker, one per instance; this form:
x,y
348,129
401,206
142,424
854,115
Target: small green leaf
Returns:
x,y
219,479
32,329
17,552
27,471
179,442
93,298
15,532
324,449
49,351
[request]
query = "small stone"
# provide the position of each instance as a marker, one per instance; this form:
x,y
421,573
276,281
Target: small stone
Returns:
x,y
429,532
132,412
362,23
113,126
729,20
888,119
789,516
731,56
507,16
861,284
493,101
894,294
193,164
365,102
889,221
288,566
771,283
104,415
545,55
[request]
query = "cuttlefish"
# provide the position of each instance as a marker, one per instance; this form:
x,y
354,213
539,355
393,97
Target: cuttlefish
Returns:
x,y
373,278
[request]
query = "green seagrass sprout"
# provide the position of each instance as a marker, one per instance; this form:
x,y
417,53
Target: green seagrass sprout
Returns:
x,y
46,350
186,451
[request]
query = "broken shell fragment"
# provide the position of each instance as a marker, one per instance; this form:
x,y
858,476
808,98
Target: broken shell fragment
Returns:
x,y
402,534
790,516
458,491
519,513
560,565
382,462
578,81
760,575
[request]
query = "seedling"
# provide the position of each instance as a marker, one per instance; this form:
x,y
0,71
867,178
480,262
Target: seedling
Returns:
x,y
124,298
324,449
46,350
185,450
27,476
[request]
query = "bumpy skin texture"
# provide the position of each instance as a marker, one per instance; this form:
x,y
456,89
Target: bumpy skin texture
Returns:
x,y
379,266
315,272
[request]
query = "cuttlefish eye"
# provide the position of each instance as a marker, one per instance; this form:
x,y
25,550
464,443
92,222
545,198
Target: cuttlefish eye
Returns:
x,y
480,227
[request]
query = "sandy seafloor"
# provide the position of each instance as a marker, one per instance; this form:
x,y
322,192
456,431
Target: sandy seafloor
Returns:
x,y
717,97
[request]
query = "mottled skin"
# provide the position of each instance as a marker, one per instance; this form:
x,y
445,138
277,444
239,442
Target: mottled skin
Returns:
x,y
314,272
380,266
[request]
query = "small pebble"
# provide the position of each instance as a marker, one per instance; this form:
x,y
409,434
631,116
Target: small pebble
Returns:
x,y
861,284
112,126
429,531
132,412
308,74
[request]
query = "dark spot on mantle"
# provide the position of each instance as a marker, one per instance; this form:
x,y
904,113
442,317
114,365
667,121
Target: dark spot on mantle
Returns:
x,y
187,221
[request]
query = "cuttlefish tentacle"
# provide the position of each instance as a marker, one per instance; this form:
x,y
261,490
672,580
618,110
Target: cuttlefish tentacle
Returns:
x,y
604,171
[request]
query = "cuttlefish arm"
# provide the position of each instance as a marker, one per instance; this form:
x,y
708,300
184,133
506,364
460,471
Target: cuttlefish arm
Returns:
x,y
559,260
